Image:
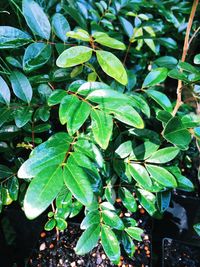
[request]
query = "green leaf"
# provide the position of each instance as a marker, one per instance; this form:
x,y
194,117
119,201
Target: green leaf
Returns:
x,y
176,133
134,232
60,26
125,149
112,219
4,92
161,99
161,175
105,96
74,56
197,59
21,86
104,39
74,112
56,97
110,244
163,200
102,126
89,87
5,113
36,19
61,224
139,174
167,62
156,76
112,66
42,191
147,200
128,199
177,74
128,244
13,187
5,171
36,55
88,240
79,34
124,113
50,225
127,26
164,155
197,228
93,217
78,183
11,37
23,116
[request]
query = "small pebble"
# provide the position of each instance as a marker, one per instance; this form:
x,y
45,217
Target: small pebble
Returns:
x,y
43,234
51,246
146,237
127,214
73,264
103,256
42,246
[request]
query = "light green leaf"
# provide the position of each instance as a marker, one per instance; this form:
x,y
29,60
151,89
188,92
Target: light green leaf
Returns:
x,y
161,175
112,66
23,116
89,87
139,174
164,155
134,232
112,219
36,55
60,26
36,19
161,99
102,126
105,40
79,34
21,86
42,191
11,37
74,56
197,59
176,133
74,112
4,92
56,97
78,183
88,240
110,244
156,76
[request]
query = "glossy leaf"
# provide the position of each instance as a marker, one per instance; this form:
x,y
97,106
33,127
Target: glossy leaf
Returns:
x,y
164,155
93,217
105,40
128,244
36,18
147,200
197,228
36,55
139,173
11,37
176,133
128,199
88,239
102,126
156,76
110,244
74,56
161,99
4,92
112,219
42,191
79,34
134,232
56,97
60,26
23,116
78,183
89,87
21,86
112,66
197,59
161,175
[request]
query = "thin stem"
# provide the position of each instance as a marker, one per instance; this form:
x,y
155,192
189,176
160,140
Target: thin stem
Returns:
x,y
127,51
184,54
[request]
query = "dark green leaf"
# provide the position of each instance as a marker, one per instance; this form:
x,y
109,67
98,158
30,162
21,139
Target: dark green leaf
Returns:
x,y
42,191
110,244
23,116
163,199
156,76
21,86
36,55
93,217
134,232
128,199
102,126
128,244
147,200
197,228
167,62
161,99
60,26
164,155
112,219
13,187
56,97
88,239
4,92
36,19
11,37
139,173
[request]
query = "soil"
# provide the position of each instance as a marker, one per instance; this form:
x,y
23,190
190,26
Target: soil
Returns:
x,y
53,252
180,254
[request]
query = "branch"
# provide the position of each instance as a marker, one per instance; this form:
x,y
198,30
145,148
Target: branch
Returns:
x,y
184,54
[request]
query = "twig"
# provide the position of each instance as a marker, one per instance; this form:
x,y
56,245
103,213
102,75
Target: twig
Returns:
x,y
184,54
193,36
127,51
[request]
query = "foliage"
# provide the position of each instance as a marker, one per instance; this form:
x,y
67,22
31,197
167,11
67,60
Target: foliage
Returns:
x,y
84,91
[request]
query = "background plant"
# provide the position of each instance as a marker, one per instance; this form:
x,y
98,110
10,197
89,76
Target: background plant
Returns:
x,y
91,94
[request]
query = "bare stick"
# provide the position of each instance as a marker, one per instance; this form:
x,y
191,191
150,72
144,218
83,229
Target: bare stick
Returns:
x,y
184,54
